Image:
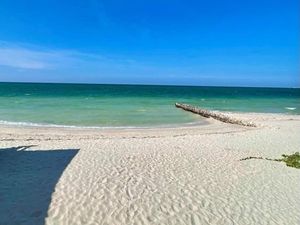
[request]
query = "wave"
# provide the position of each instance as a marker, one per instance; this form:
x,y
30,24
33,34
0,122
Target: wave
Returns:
x,y
30,124
290,108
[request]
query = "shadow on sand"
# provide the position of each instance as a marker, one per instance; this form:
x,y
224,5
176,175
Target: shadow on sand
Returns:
x,y
27,181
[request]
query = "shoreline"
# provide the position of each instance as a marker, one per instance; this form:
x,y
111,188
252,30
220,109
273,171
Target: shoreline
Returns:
x,y
200,122
38,125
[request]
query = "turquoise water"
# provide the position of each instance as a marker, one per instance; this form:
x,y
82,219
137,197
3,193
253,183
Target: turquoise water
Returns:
x,y
132,105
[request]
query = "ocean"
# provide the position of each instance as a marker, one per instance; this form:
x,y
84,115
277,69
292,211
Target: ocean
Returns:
x,y
99,105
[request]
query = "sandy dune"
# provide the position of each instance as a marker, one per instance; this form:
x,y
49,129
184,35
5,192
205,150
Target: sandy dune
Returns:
x,y
187,175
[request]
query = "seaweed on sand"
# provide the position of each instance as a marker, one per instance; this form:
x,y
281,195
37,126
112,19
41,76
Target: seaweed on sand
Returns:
x,y
292,160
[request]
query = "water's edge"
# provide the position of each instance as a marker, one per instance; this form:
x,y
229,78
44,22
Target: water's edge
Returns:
x,y
200,122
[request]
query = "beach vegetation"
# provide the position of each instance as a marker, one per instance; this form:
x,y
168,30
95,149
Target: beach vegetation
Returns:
x,y
292,160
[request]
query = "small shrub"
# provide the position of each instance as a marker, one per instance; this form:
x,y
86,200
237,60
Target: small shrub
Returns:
x,y
292,160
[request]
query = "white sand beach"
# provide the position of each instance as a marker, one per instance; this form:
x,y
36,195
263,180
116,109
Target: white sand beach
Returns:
x,y
184,175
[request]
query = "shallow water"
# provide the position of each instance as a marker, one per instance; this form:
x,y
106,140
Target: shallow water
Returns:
x,y
132,105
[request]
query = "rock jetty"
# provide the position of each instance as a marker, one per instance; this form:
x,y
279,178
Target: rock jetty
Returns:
x,y
215,115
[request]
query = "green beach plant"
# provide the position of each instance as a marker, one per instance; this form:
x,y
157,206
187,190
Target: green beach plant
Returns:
x,y
292,160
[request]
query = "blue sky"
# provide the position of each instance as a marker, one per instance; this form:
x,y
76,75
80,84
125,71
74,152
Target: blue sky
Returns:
x,y
180,42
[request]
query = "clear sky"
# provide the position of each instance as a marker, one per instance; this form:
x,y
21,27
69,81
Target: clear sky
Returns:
x,y
227,43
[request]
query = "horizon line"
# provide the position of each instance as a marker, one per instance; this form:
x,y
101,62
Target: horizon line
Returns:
x,y
139,84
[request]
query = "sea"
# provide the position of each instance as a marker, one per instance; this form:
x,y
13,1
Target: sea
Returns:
x,y
132,106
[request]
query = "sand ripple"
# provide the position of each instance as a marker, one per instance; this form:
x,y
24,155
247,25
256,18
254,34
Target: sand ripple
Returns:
x,y
195,178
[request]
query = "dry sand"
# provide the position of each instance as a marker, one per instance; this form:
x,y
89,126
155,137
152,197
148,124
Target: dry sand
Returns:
x,y
184,175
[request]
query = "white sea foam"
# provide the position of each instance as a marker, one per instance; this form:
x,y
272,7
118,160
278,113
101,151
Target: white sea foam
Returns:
x,y
290,108
30,124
